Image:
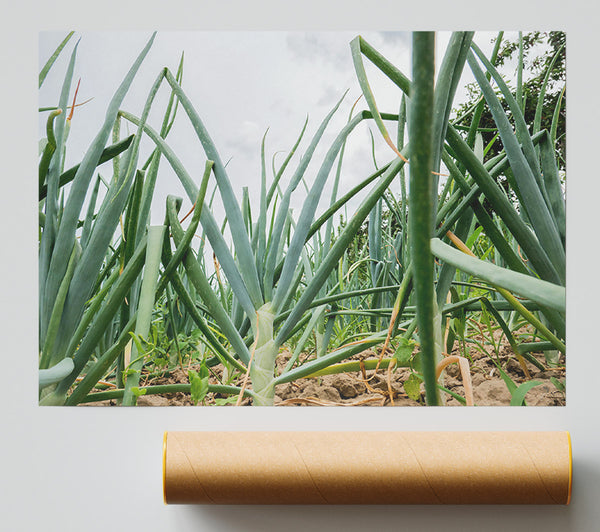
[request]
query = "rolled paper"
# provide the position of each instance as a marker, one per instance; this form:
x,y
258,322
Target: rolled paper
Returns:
x,y
367,467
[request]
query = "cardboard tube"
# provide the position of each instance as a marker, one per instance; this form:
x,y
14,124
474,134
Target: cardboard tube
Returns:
x,y
367,467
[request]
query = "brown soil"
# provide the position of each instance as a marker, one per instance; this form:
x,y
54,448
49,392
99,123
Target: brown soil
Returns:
x,y
488,387
351,389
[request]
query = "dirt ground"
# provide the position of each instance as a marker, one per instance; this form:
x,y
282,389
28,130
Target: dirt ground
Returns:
x,y
351,389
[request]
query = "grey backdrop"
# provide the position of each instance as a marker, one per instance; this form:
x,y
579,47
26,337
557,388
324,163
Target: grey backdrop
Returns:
x,y
98,469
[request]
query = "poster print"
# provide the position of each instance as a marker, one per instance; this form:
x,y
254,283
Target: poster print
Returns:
x,y
290,218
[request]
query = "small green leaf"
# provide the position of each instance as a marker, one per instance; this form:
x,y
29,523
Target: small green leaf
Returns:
x,y
137,391
199,384
404,352
518,396
416,362
222,401
203,373
560,385
412,387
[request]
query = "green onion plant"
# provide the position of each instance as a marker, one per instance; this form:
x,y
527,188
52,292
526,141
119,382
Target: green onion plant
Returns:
x,y
401,271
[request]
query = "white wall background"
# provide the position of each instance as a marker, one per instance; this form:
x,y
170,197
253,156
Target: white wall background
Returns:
x,y
94,469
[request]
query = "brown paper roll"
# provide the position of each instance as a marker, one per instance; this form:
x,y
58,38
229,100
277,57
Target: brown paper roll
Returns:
x,y
367,467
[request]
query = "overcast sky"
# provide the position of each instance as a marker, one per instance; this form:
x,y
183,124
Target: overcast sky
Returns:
x,y
241,83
